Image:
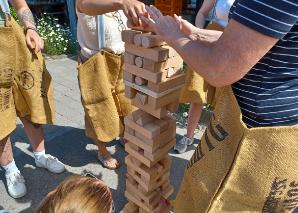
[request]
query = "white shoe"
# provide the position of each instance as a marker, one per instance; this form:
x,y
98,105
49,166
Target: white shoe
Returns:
x,y
181,145
16,185
51,163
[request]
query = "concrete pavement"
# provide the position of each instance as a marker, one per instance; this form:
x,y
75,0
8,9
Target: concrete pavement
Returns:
x,y
66,140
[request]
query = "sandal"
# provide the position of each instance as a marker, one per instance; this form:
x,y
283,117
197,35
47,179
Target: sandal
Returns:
x,y
106,159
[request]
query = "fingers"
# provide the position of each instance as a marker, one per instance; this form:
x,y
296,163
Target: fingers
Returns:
x,y
156,11
134,17
29,42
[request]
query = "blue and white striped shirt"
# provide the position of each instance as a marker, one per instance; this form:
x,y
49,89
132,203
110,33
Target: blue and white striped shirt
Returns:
x,y
268,93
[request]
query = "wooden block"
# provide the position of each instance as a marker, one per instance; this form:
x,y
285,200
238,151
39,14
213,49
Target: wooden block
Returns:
x,y
156,54
158,113
130,208
161,152
173,107
138,40
137,141
128,35
139,155
163,125
129,58
163,137
149,41
171,72
130,92
150,130
163,101
141,98
134,116
129,130
129,77
168,84
153,66
140,81
149,176
138,62
147,118
138,202
150,76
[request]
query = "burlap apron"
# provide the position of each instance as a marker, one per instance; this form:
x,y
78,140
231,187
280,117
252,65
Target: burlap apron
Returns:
x,y
103,98
29,92
194,90
236,169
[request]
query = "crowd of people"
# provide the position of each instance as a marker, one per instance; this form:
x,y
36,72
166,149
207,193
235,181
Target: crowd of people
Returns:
x,y
245,51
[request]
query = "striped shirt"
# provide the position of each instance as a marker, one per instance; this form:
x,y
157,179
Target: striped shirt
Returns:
x,y
268,93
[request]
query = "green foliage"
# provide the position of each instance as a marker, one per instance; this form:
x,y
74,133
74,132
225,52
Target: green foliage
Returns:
x,y
13,13
57,38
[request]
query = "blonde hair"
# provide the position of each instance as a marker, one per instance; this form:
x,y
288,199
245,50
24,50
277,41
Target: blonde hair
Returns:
x,y
78,194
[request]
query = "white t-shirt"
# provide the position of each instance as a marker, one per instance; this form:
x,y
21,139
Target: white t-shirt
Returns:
x,y
101,32
220,14
4,6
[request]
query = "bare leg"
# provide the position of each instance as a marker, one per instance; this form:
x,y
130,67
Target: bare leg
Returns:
x,y
35,134
109,162
194,115
6,155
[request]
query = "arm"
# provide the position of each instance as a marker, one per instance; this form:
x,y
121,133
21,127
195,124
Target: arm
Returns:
x,y
133,9
220,62
24,13
203,12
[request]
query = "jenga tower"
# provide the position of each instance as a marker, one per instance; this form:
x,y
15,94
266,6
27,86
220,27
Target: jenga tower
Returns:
x,y
153,80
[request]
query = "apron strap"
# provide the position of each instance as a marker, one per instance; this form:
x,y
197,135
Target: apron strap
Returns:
x,y
100,31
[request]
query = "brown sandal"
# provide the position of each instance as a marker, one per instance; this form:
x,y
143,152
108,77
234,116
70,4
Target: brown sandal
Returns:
x,y
106,159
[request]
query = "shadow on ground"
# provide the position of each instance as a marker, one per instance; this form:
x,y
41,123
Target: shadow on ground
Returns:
x,y
78,153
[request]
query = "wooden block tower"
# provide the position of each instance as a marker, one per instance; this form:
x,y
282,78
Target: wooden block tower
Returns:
x,y
153,80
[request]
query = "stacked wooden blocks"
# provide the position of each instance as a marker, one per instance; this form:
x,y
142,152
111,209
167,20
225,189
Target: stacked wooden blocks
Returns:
x,y
153,80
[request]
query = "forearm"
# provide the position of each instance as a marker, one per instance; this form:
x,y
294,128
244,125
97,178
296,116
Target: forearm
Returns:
x,y
205,57
24,13
98,7
208,36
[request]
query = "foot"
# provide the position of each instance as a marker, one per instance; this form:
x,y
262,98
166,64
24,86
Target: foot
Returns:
x,y
181,145
108,162
51,163
16,185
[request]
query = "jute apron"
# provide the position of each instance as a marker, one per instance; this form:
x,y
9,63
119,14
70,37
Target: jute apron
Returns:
x,y
25,84
236,169
103,98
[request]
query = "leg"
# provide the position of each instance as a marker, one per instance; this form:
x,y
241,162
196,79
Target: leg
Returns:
x,y
15,181
194,115
36,138
193,119
6,155
104,156
35,134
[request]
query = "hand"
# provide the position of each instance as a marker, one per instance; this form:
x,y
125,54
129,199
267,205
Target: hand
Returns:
x,y
166,26
34,41
133,9
187,28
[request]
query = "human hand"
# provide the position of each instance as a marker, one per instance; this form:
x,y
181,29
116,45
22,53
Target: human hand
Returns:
x,y
166,26
133,9
34,41
187,28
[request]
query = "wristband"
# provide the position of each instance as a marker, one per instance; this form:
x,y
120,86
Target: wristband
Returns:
x,y
30,28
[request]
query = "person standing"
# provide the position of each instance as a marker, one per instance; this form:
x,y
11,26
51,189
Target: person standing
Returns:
x,y
100,70
25,91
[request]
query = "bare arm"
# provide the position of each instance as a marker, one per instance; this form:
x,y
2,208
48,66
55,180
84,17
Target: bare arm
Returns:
x,y
33,40
220,62
24,13
203,12
133,9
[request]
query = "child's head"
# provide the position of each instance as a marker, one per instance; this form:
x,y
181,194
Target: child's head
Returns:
x,y
78,194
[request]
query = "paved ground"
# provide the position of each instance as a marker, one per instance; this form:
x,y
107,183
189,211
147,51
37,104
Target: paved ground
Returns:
x,y
66,140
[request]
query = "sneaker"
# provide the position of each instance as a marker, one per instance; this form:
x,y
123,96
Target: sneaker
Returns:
x,y
181,145
51,163
16,185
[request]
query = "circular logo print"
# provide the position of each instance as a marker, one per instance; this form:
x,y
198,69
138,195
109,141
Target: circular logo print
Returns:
x,y
27,80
